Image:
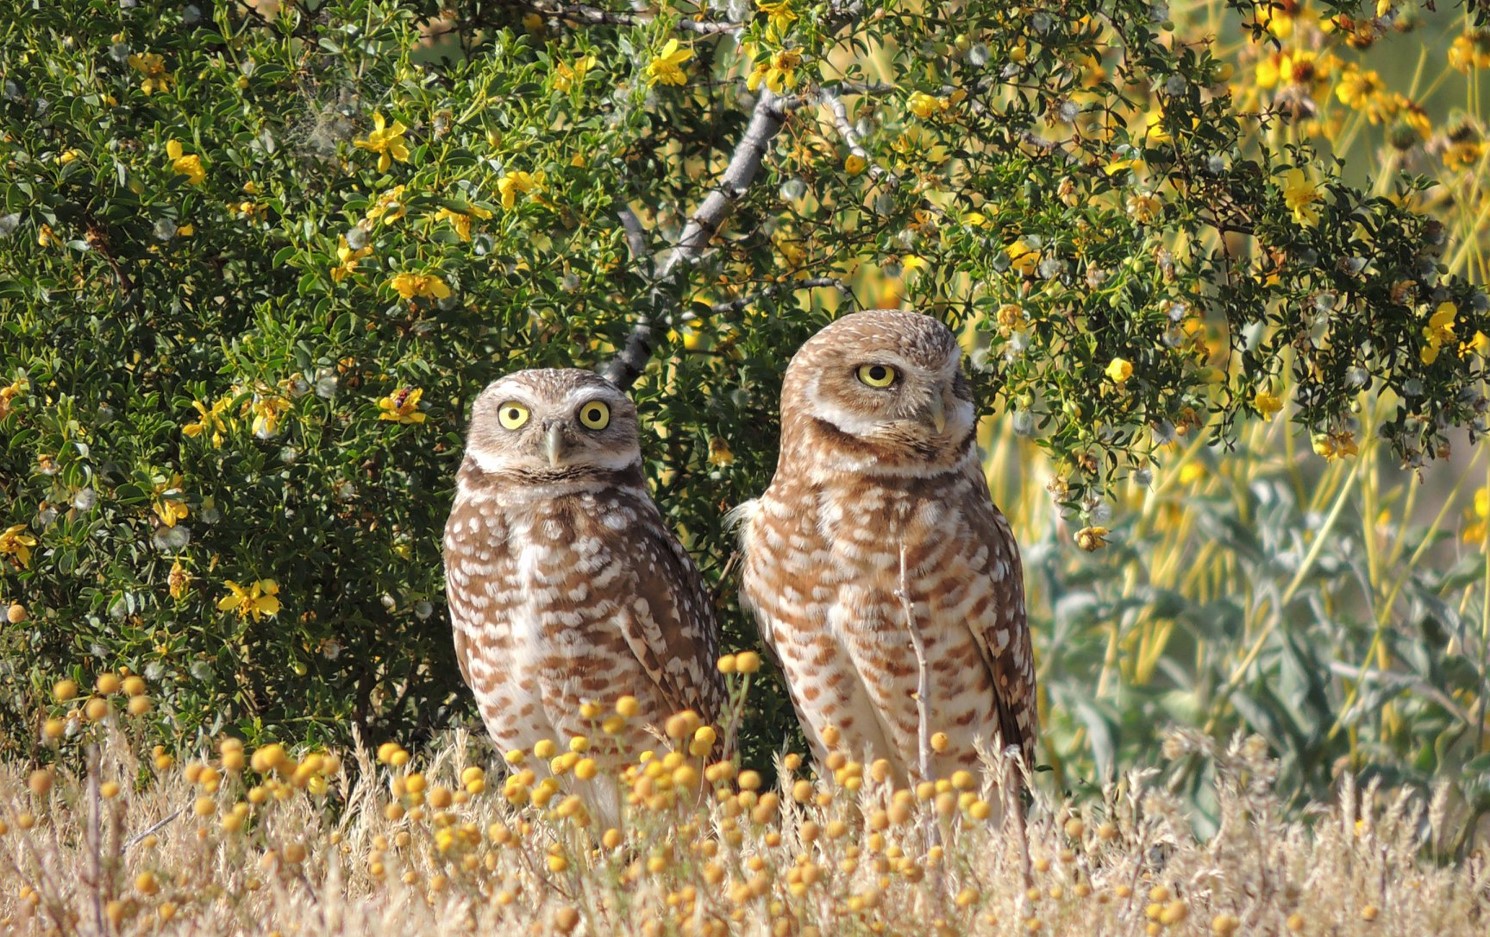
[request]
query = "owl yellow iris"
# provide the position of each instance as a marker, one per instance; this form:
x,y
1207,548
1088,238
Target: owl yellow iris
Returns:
x,y
512,415
595,415
877,375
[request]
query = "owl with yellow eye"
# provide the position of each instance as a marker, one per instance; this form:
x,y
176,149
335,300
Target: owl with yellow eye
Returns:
x,y
567,591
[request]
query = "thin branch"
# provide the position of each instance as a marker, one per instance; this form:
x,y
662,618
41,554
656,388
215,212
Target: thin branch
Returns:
x,y
854,142
636,236
766,120
156,827
750,299
584,14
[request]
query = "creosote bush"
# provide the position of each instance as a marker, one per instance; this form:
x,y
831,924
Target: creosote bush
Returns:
x,y
255,260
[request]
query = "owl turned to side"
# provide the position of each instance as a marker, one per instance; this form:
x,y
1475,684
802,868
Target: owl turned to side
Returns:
x,y
878,467
565,585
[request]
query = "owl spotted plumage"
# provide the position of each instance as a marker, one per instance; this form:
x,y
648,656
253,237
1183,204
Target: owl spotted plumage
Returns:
x,y
565,585
879,461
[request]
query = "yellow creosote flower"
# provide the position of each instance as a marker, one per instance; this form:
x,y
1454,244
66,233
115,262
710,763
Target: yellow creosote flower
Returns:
x,y
1267,402
267,411
924,105
16,544
178,581
387,142
153,67
1300,194
170,510
854,164
1438,332
1478,530
513,184
1091,539
427,285
667,67
779,14
256,600
779,72
10,392
347,260
568,76
1335,445
402,406
461,221
213,419
388,207
1478,344
186,164
1119,370
1023,257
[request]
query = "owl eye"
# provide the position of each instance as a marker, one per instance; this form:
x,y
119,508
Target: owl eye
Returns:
x,y
595,415
877,375
512,415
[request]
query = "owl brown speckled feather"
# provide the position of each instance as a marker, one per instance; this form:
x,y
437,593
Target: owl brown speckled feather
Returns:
x,y
565,585
878,455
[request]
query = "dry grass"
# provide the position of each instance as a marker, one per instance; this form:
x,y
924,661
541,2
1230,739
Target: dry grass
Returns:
x,y
370,844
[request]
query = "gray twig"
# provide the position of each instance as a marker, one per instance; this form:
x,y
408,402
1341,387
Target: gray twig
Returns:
x,y
854,142
140,836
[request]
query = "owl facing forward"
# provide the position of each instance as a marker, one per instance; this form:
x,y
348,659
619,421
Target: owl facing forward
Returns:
x,y
879,469
565,586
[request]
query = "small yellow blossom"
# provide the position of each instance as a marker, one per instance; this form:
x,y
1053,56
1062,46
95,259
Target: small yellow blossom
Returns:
x,y
387,142
1478,344
153,67
779,14
461,221
389,206
178,581
1091,539
513,184
10,392
186,164
347,260
1478,530
568,76
256,600
924,105
213,418
667,67
779,72
1360,88
1267,402
719,452
428,285
267,410
1119,370
1011,319
170,510
1438,332
1470,50
1144,207
1335,445
1153,128
16,544
1300,195
854,164
402,406
45,236
1023,257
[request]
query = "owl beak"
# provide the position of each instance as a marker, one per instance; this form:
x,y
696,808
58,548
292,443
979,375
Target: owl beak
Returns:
x,y
936,411
553,444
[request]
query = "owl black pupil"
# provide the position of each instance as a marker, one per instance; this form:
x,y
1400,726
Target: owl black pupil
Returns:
x,y
876,373
593,415
512,414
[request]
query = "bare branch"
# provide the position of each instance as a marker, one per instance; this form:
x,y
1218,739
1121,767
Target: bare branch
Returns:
x,y
766,120
636,236
587,15
854,142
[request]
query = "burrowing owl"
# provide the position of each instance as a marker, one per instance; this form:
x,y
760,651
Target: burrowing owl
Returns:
x,y
565,586
878,462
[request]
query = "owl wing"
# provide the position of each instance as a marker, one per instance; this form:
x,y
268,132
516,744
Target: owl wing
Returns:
x,y
470,535
677,639
1003,634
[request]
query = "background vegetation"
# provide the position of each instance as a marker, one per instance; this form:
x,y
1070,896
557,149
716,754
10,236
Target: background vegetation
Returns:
x,y
256,260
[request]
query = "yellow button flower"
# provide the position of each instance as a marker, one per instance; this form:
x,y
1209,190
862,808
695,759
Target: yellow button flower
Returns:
x,y
186,164
387,142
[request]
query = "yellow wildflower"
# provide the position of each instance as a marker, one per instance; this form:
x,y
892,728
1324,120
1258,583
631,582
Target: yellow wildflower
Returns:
x,y
170,510
347,260
513,184
1335,445
779,14
1119,370
387,142
1438,331
1300,195
461,221
187,164
16,544
267,411
720,452
1478,530
1360,88
212,418
1470,50
1023,257
1011,319
924,105
402,406
854,164
667,67
256,600
1153,128
1478,344
1267,402
779,72
1145,207
153,67
389,207
1091,539
10,392
567,76
428,285
178,581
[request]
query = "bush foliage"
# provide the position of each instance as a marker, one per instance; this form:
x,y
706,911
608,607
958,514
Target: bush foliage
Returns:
x,y
256,261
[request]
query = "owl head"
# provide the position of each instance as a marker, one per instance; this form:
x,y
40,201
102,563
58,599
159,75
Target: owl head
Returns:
x,y
880,392
552,423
